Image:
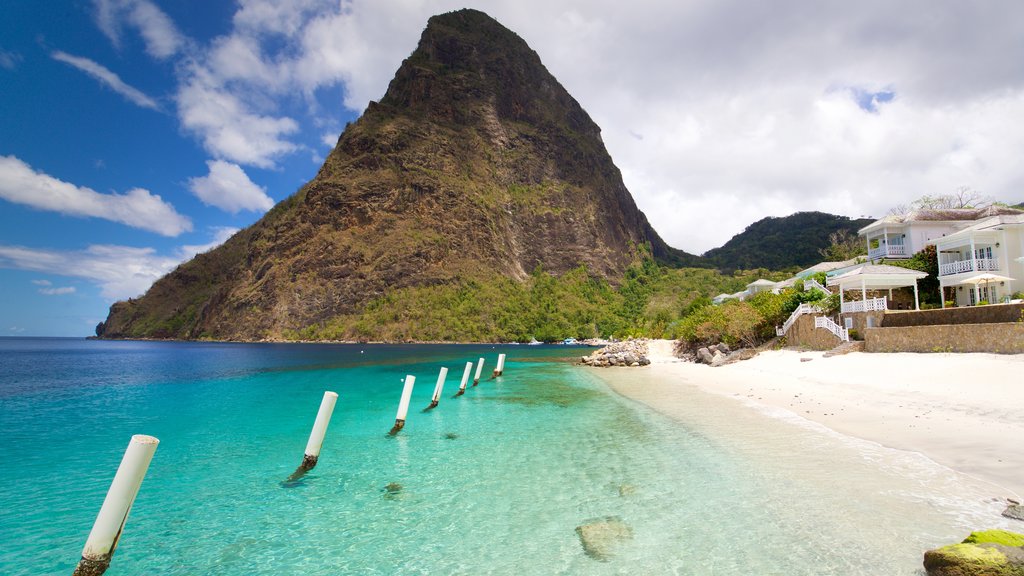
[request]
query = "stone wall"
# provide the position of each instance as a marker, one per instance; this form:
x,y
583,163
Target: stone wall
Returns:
x,y
994,313
860,320
1000,338
803,334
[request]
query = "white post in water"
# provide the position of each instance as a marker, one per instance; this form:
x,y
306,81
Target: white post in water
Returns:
x,y
479,369
109,525
403,405
438,388
500,367
316,437
465,379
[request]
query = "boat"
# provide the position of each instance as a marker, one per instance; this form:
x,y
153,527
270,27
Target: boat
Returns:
x,y
534,342
570,342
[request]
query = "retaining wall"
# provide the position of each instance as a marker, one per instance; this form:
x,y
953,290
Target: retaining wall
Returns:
x,y
999,338
991,314
803,334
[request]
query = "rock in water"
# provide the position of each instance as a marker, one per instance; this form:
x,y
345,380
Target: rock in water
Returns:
x,y
601,536
475,163
1014,511
987,553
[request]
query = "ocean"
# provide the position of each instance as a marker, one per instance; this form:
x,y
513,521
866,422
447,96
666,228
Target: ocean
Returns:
x,y
493,482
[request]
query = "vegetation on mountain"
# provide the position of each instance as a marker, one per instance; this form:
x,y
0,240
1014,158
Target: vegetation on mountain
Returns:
x,y
783,243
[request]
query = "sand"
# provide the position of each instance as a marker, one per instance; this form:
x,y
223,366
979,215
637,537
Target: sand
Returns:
x,y
963,411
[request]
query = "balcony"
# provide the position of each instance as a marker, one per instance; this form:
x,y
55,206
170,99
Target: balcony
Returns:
x,y
971,265
871,305
888,251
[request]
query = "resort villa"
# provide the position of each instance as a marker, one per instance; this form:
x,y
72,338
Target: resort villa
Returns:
x,y
902,236
981,263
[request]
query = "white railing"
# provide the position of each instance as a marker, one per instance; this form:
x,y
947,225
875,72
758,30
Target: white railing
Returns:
x,y
800,311
976,265
827,323
887,251
872,305
812,283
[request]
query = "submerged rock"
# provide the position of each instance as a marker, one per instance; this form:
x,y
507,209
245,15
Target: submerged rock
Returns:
x,y
600,536
392,490
987,553
1014,511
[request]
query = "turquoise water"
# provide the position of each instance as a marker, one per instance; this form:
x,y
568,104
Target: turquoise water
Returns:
x,y
493,482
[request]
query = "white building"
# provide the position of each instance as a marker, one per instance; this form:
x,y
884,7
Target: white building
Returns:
x,y
897,237
981,262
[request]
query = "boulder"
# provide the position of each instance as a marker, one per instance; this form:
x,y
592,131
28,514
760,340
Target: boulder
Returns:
x,y
718,359
600,536
1015,511
723,347
987,553
704,356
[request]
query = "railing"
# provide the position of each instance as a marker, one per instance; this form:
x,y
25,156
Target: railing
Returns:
x,y
812,283
961,266
872,305
887,250
827,323
800,311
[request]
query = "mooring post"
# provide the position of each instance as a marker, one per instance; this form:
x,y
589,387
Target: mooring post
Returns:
x,y
479,369
403,405
438,388
465,379
109,525
316,437
500,367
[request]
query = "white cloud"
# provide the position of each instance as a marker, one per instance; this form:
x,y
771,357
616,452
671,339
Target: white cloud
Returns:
x,y
229,188
42,282
120,271
330,139
138,208
59,291
108,79
161,36
227,125
9,60
220,236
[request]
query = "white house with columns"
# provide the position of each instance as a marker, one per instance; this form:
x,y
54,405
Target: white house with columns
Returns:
x,y
982,262
902,236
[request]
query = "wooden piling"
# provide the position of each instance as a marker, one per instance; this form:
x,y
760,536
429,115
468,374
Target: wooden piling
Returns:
x,y
438,388
479,369
106,531
500,368
316,437
403,405
465,379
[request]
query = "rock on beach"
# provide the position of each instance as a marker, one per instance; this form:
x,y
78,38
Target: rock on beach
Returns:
x,y
625,353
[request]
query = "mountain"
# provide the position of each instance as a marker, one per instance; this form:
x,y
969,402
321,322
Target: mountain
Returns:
x,y
778,243
476,163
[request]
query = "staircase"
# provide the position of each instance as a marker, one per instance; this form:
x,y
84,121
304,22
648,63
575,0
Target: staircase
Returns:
x,y
800,311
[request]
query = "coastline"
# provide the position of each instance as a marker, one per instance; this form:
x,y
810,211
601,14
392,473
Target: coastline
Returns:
x,y
962,411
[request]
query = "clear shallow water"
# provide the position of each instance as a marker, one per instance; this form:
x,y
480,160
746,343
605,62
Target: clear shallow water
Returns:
x,y
493,482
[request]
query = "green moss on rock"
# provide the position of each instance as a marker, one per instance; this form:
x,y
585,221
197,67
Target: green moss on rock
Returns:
x,y
985,553
1004,537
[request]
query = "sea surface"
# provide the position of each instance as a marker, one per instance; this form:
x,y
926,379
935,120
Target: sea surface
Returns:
x,y
493,482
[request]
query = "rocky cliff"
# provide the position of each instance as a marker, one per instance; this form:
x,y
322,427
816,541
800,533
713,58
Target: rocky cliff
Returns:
x,y
476,162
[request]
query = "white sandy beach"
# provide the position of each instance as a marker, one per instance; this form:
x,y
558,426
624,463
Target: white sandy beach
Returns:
x,y
964,411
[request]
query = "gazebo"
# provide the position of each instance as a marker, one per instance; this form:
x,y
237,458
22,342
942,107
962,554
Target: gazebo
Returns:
x,y
874,277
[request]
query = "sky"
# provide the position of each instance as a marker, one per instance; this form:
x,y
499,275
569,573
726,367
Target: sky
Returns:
x,y
135,134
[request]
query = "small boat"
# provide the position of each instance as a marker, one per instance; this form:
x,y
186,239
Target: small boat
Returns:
x,y
534,342
570,342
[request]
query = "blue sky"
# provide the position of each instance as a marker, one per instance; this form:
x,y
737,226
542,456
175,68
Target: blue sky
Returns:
x,y
136,133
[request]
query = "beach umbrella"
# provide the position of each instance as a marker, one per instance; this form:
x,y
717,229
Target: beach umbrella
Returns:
x,y
985,278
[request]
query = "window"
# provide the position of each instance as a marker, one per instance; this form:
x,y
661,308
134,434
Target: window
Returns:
x,y
848,323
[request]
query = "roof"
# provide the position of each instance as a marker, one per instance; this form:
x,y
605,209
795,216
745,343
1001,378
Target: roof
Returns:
x,y
986,224
761,282
878,274
947,215
826,267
